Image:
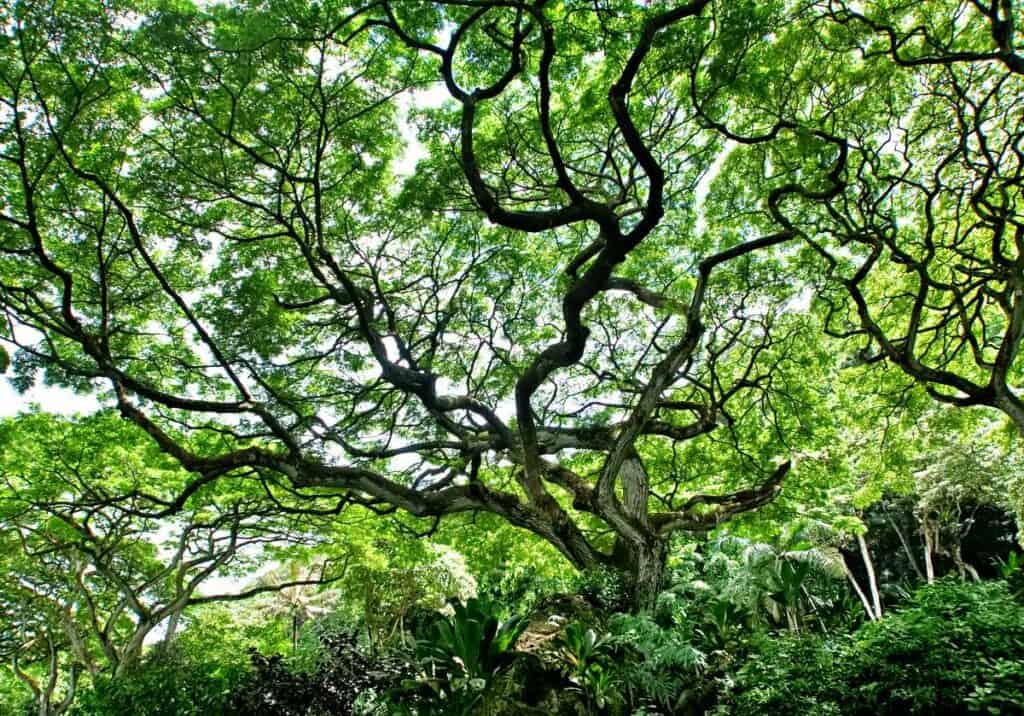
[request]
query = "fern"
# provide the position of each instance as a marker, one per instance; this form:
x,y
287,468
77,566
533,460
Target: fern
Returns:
x,y
654,664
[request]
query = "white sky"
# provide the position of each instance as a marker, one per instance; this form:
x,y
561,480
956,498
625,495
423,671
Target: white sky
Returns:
x,y
49,398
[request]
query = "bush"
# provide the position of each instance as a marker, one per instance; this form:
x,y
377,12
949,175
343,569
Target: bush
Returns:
x,y
654,662
331,677
170,681
461,659
954,648
605,588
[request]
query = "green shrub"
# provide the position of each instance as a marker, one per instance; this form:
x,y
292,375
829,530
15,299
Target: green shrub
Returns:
x,y
176,681
954,648
654,662
462,658
605,588
586,662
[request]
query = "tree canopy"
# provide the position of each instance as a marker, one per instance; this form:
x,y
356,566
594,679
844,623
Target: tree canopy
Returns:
x,y
609,303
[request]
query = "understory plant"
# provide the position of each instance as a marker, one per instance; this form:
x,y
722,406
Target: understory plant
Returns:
x,y
460,660
586,662
955,647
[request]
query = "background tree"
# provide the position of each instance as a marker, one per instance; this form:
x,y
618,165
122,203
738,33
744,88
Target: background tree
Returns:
x,y
90,575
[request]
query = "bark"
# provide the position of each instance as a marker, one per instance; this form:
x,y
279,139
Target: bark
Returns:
x,y
643,568
649,575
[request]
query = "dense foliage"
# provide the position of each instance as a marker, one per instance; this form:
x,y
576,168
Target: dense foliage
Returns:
x,y
512,356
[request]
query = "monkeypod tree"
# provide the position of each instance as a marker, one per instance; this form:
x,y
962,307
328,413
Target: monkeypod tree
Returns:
x,y
579,313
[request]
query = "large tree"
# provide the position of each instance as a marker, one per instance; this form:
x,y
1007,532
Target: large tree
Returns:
x,y
579,313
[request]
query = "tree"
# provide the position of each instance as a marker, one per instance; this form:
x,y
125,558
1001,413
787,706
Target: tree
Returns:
x,y
580,301
88,576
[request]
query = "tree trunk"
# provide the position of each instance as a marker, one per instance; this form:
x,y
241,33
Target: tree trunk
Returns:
x,y
906,548
172,627
963,566
856,587
132,651
872,582
643,566
929,547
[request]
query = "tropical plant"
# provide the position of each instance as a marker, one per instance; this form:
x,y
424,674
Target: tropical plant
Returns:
x,y
1012,570
910,662
654,663
462,656
584,656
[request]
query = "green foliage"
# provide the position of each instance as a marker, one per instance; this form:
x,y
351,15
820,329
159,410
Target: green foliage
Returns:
x,y
586,661
654,661
1012,570
15,699
605,588
687,242
192,677
462,657
954,647
517,587
473,641
333,674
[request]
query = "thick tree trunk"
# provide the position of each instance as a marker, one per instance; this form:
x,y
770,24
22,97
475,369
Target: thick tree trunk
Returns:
x,y
649,575
642,555
643,569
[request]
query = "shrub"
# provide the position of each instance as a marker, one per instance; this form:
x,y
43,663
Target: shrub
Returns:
x,y
331,677
605,588
954,648
179,680
654,662
461,659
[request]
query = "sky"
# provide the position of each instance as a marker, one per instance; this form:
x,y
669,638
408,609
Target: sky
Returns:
x,y
50,399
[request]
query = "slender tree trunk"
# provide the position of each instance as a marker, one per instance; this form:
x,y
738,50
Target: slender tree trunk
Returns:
x,y
77,645
872,582
172,627
906,549
929,547
133,649
857,588
963,566
792,620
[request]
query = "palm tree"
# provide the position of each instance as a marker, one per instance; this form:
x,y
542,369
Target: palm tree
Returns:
x,y
299,594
